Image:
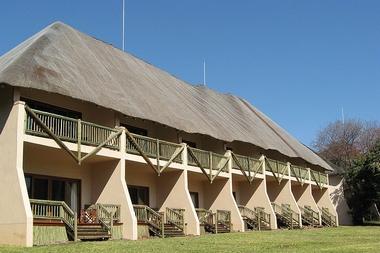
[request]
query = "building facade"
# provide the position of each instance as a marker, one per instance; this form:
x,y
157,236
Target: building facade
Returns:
x,y
92,135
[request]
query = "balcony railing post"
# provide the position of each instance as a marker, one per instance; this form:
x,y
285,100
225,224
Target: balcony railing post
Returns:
x,y
158,156
210,163
79,141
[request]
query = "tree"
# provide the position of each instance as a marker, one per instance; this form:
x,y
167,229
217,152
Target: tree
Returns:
x,y
363,181
342,142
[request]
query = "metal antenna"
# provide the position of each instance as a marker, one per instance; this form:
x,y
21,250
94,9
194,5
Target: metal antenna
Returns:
x,y
123,23
204,72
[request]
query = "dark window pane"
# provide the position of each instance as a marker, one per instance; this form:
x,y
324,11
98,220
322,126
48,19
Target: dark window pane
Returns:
x,y
40,188
133,195
194,198
58,190
143,196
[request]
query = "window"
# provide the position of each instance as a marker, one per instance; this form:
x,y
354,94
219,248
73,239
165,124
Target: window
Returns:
x,y
135,130
194,199
52,109
139,195
190,143
53,188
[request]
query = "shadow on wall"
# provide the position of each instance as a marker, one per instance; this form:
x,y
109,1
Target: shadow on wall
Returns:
x,y
337,196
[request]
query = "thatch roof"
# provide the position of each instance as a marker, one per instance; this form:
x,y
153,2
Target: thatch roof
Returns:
x,y
60,59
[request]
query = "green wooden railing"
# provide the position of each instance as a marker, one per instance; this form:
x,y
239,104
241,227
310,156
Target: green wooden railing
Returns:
x,y
208,159
153,148
278,167
263,216
82,132
258,215
155,220
106,214
176,217
55,210
314,214
290,216
224,217
206,218
300,173
71,130
249,216
309,216
320,178
246,163
328,218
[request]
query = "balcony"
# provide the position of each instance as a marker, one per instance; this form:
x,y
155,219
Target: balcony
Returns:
x,y
60,128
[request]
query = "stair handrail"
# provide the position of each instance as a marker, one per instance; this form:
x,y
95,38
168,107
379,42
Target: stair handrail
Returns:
x,y
293,215
104,217
327,217
285,211
307,215
115,209
224,217
264,216
147,215
59,210
176,217
247,212
250,215
205,217
315,215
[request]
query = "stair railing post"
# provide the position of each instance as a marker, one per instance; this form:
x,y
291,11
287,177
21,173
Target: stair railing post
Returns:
x,y
163,226
111,225
75,227
258,221
216,222
291,220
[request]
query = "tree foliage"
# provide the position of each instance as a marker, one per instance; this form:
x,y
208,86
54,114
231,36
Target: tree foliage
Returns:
x,y
363,180
342,142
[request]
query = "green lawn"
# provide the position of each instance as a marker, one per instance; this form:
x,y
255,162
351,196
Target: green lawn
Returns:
x,y
341,239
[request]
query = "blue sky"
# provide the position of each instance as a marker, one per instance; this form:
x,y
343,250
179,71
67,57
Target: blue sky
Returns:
x,y
299,62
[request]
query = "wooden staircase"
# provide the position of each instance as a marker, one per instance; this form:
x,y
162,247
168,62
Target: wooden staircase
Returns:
x,y
286,217
173,227
256,219
309,217
328,219
92,231
215,223
171,230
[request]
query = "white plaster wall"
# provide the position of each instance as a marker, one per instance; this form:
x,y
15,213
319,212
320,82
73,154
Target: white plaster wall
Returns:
x,y
16,220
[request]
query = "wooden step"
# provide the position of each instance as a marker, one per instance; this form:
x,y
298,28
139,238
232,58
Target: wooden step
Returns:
x,y
172,231
92,232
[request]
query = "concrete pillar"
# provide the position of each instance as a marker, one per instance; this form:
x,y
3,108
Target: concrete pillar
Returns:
x,y
172,192
304,197
282,194
322,198
218,196
109,179
16,219
255,195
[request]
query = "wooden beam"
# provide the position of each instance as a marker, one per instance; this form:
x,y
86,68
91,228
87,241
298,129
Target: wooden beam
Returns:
x,y
142,153
50,133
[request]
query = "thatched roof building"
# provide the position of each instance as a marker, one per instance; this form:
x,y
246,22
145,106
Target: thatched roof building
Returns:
x,y
60,59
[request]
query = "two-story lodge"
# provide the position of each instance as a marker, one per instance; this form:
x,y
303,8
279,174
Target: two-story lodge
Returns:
x,y
97,144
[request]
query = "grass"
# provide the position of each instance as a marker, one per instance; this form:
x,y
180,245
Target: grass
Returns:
x,y
341,239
